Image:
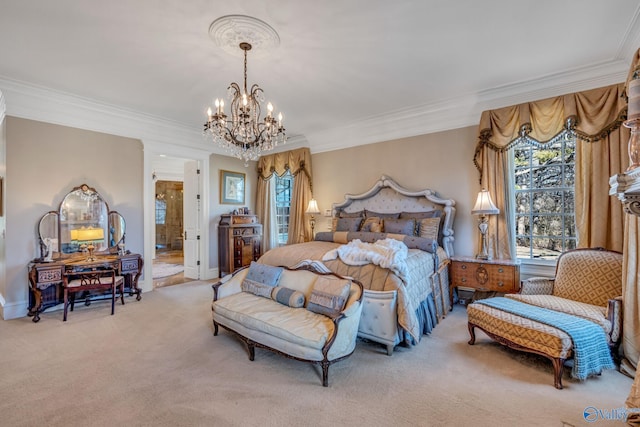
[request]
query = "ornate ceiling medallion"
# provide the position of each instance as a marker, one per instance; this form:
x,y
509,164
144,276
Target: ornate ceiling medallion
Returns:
x,y
231,30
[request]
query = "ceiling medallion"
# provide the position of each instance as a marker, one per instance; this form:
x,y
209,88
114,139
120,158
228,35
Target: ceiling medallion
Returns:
x,y
244,133
229,31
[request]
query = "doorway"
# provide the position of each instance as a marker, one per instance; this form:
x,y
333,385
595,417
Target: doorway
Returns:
x,y
168,264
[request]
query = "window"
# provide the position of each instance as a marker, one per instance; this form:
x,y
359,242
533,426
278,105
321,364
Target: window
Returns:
x,y
544,177
284,186
161,209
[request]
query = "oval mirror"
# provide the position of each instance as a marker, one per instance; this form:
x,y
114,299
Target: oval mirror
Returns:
x,y
48,233
117,228
83,220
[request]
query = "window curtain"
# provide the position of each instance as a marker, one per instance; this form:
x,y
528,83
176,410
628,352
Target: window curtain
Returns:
x,y
266,211
595,119
298,163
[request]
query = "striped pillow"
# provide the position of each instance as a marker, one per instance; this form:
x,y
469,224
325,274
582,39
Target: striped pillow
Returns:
x,y
329,296
288,297
429,228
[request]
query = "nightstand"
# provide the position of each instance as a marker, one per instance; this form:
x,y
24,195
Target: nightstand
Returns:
x,y
495,275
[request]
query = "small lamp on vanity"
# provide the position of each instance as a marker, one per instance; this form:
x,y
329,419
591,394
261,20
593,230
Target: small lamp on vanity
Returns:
x,y
89,236
312,210
484,206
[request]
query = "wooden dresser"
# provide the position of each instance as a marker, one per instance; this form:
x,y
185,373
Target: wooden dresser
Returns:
x,y
239,242
496,275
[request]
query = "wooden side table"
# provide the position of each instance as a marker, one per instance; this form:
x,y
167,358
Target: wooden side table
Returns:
x,y
497,275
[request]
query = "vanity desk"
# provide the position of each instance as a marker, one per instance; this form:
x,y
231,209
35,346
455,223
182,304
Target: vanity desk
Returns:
x,y
45,278
82,235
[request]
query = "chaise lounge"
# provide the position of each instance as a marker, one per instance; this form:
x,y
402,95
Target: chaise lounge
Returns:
x,y
587,286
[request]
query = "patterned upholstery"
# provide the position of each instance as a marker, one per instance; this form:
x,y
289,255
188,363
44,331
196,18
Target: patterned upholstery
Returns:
x,y
522,331
590,276
588,284
586,281
590,312
537,286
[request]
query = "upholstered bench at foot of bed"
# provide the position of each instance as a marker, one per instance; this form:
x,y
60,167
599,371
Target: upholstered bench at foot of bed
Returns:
x,y
522,334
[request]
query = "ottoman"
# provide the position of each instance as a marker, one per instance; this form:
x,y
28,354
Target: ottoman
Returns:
x,y
522,334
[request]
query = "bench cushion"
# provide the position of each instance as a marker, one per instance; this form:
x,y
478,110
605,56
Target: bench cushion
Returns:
x,y
522,331
590,312
299,326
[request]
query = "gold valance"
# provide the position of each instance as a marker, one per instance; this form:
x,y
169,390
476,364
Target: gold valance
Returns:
x,y
590,115
294,161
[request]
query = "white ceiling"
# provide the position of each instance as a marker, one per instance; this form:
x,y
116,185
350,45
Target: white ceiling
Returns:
x,y
346,72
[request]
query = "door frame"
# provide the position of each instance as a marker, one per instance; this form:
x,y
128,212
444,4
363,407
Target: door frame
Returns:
x,y
152,149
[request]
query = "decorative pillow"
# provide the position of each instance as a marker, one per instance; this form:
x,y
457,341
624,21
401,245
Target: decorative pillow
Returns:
x,y
436,213
288,296
429,227
368,214
400,226
261,279
372,224
348,224
417,215
329,296
358,214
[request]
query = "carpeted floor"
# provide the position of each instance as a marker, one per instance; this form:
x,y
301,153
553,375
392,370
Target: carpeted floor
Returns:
x,y
156,362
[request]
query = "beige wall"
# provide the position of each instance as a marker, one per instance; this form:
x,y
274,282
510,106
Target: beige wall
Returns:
x,y
440,161
44,162
218,163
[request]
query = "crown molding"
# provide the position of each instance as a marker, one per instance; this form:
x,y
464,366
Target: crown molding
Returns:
x,y
28,101
20,99
465,110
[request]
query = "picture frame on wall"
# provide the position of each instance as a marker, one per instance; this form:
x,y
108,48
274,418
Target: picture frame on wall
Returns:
x,y
232,187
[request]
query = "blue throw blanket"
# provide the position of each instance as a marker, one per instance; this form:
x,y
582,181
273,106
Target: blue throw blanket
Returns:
x,y
590,349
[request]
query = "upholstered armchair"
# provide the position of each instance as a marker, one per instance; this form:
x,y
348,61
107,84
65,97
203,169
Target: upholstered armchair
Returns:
x,y
587,283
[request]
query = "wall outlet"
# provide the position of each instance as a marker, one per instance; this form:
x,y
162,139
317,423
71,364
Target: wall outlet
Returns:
x,y
327,212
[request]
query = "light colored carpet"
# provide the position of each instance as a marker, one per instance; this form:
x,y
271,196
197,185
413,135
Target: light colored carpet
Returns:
x,y
156,362
162,269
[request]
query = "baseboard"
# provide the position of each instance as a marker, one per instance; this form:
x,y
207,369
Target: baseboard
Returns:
x,y
212,273
14,310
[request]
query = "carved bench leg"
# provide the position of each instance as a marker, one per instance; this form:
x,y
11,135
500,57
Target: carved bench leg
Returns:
x,y
558,365
325,373
252,351
215,329
472,332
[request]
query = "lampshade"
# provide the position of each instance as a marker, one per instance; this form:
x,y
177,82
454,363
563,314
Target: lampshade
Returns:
x,y
484,204
90,234
313,207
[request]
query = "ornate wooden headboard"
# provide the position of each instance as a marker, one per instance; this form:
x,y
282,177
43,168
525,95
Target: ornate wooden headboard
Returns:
x,y
387,196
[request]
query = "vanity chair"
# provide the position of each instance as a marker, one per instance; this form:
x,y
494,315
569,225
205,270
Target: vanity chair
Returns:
x,y
82,252
92,280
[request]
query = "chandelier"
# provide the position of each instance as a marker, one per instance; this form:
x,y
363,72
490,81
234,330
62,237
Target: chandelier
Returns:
x,y
244,133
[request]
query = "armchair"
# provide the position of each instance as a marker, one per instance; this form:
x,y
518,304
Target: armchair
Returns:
x,y
587,283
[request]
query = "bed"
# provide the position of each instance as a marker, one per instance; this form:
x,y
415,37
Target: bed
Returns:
x,y
402,301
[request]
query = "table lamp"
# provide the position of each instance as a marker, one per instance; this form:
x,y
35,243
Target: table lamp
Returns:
x,y
312,210
484,206
88,236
